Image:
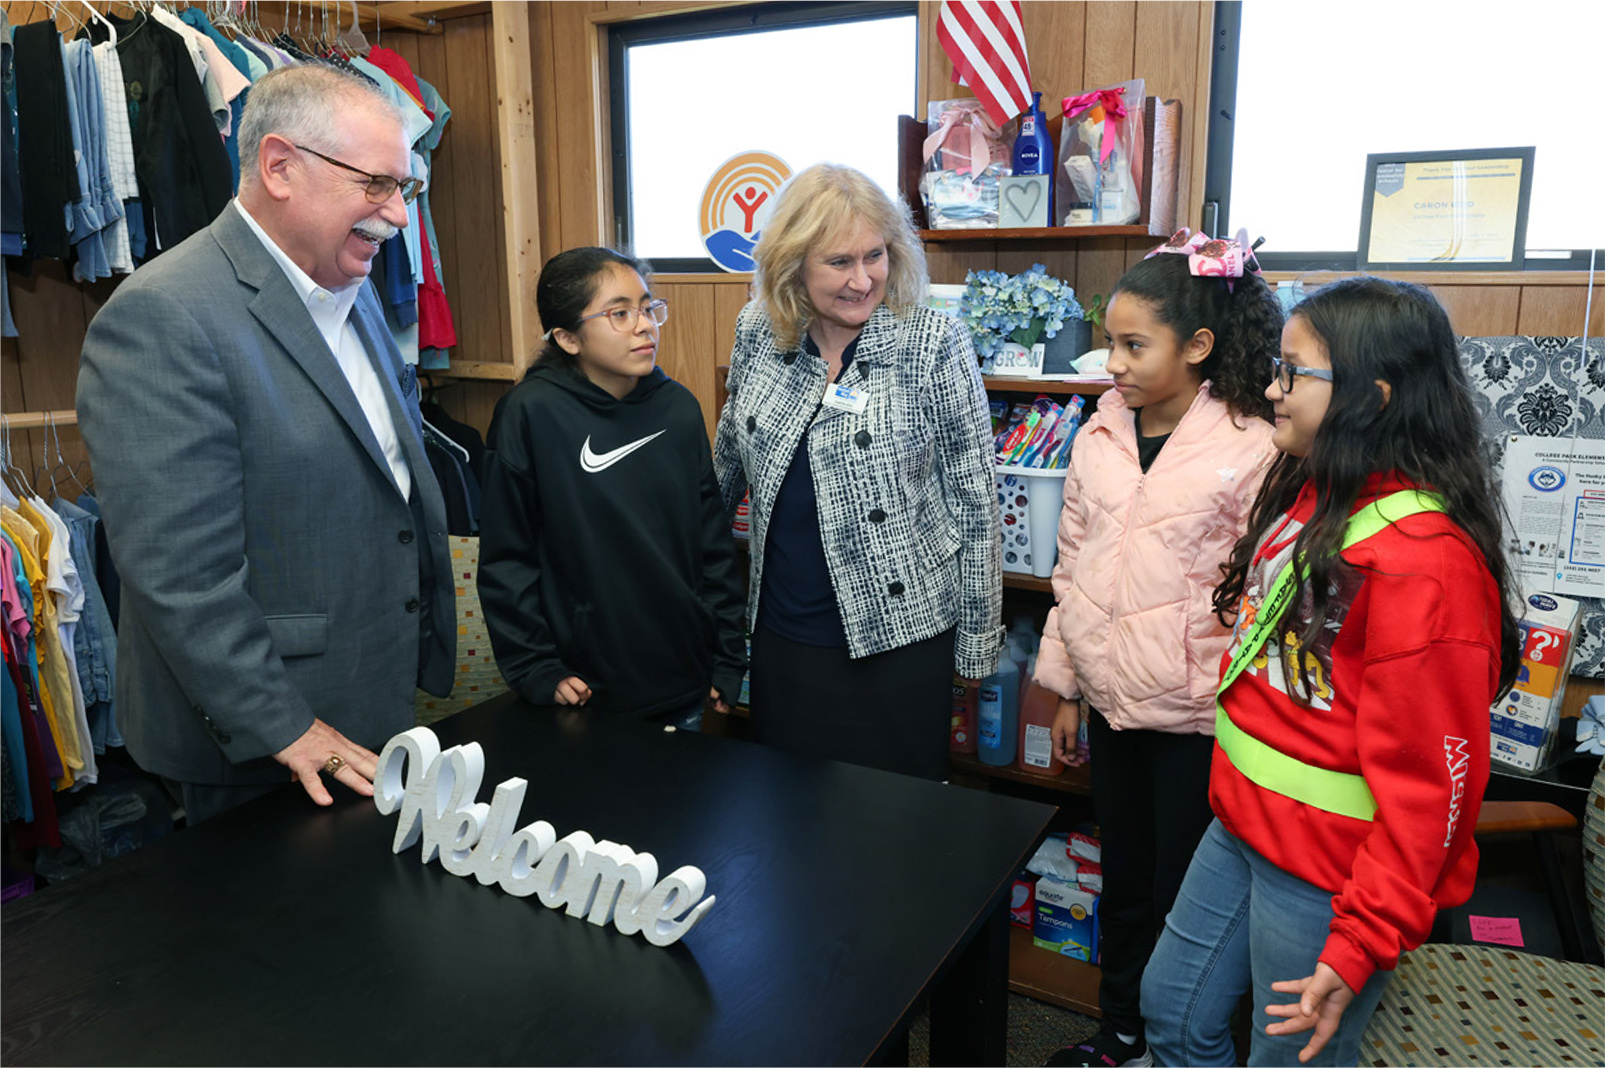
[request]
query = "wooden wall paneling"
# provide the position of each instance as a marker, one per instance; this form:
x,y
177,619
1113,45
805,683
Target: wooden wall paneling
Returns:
x,y
1480,311
1196,116
520,181
1557,311
728,300
576,105
14,399
1170,71
948,264
479,288
1099,265
690,346
543,76
1111,42
1056,44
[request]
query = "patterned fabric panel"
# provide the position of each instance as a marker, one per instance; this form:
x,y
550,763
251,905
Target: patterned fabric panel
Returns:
x,y
1594,854
1484,1005
1546,387
477,676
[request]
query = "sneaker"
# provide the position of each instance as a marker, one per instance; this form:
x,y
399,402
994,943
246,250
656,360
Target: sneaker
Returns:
x,y
1105,1050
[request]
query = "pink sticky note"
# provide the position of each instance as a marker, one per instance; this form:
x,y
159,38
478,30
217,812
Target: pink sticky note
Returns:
x,y
1505,930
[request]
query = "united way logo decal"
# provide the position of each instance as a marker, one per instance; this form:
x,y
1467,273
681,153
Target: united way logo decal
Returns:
x,y
737,202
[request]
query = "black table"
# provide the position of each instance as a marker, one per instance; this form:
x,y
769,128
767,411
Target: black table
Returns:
x,y
285,934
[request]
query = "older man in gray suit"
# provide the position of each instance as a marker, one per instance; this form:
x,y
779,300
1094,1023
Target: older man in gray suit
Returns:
x,y
259,460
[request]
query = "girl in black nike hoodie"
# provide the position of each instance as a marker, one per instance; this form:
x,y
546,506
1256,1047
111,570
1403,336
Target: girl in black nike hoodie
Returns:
x,y
607,571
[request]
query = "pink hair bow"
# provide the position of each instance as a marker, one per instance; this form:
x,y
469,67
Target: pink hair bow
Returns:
x,y
980,127
1114,107
1212,257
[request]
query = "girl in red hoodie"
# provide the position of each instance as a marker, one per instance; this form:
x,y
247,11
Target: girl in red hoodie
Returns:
x,y
1372,632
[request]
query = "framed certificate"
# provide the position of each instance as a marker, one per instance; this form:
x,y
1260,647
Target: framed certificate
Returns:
x,y
1446,211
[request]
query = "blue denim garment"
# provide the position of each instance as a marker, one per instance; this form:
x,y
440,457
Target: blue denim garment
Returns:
x,y
98,206
1239,924
94,641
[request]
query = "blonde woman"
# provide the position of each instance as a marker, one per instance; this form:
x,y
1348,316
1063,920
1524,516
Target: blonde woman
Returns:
x,y
858,421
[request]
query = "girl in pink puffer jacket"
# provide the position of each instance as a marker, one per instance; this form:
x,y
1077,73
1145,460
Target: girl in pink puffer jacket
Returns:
x,y
1160,485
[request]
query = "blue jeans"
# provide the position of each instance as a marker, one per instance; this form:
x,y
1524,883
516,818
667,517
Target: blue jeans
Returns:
x,y
1239,924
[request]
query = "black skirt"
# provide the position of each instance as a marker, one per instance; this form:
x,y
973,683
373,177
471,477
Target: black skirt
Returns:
x,y
890,710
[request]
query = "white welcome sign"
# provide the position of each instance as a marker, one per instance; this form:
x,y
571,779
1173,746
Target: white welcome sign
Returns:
x,y
605,882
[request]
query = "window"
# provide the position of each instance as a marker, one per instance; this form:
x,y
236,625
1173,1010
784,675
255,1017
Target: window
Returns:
x,y
808,82
1303,92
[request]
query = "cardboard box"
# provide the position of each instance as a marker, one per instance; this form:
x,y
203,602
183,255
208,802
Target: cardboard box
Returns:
x,y
1524,723
1066,920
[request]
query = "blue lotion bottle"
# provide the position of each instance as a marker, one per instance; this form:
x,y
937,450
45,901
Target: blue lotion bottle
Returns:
x,y
998,718
1033,148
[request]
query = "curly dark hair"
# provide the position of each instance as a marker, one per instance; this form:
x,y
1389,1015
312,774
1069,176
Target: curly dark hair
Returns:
x,y
1242,313
1427,430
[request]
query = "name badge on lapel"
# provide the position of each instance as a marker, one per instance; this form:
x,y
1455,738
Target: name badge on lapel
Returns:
x,y
846,399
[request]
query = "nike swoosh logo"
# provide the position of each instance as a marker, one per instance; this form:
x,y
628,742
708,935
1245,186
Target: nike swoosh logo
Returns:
x,y
594,462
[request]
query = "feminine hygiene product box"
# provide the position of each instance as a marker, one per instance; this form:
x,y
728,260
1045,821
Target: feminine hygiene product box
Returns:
x,y
1524,723
1066,920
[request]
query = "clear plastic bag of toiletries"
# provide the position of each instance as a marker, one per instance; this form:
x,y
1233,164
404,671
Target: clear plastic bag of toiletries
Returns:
x,y
966,156
1099,178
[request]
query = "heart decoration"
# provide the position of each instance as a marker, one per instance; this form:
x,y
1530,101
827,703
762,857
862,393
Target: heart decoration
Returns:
x,y
1015,194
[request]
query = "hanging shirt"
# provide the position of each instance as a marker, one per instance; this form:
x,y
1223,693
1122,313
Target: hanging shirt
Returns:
x,y
331,313
119,154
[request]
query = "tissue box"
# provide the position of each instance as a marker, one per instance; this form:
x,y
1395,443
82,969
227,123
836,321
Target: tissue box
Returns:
x,y
1066,920
1023,899
1525,722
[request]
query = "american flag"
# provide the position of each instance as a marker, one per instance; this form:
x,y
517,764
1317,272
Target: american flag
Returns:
x,y
984,40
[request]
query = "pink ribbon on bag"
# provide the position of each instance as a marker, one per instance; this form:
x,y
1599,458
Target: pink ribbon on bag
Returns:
x,y
981,128
1113,108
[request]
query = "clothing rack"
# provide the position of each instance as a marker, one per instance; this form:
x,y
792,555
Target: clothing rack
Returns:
x,y
368,15
38,420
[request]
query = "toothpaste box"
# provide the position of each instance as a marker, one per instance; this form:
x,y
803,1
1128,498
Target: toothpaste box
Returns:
x,y
1524,722
1066,920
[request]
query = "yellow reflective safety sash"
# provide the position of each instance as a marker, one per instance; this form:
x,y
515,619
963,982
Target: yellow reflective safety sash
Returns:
x,y
1331,791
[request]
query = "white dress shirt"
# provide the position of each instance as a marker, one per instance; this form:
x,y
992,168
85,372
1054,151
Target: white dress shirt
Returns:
x,y
331,313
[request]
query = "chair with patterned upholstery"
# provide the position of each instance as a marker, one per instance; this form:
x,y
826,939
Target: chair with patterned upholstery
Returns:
x,y
1465,1005
477,678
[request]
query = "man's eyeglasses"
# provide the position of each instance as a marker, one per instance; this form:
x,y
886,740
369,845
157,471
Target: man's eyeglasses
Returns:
x,y
380,186
1284,373
624,319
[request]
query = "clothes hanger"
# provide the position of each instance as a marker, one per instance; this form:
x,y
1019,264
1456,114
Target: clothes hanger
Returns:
x,y
12,478
352,40
96,16
445,442
68,471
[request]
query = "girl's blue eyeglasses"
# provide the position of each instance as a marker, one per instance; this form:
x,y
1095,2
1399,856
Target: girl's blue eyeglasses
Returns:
x,y
1284,373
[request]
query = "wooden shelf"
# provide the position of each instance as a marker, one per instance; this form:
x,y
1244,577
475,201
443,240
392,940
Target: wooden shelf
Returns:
x,y
484,371
1017,581
1006,384
1070,781
1035,233
1037,973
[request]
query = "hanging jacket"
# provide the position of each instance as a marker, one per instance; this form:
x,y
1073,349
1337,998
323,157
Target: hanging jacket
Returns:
x,y
1132,629
604,551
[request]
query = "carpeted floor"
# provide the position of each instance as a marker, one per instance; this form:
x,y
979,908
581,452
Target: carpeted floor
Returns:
x,y
1036,1029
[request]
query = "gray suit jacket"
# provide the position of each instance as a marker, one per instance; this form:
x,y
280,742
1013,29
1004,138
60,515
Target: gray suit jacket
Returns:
x,y
272,571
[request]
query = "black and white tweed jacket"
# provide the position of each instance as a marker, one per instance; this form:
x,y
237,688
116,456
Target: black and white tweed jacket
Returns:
x,y
907,497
